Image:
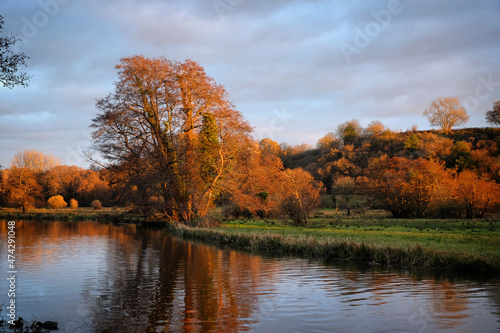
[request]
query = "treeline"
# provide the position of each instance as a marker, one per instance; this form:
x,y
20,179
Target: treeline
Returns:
x,y
36,180
412,174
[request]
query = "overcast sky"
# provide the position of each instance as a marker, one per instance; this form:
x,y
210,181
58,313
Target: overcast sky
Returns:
x,y
295,69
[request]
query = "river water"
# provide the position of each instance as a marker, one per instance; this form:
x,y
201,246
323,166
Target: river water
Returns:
x,y
95,277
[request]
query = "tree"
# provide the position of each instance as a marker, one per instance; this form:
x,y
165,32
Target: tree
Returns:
x,y
34,161
346,188
446,113
350,132
328,142
254,184
73,204
475,195
56,202
23,188
300,195
155,127
10,61
493,116
406,187
96,204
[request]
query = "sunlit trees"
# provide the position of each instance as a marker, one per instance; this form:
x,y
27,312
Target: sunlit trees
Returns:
x,y
153,126
254,184
56,202
407,187
476,196
73,204
23,188
493,116
300,195
269,146
34,161
446,113
11,61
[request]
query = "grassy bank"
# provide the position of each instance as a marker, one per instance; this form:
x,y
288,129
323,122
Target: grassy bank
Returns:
x,y
461,246
69,214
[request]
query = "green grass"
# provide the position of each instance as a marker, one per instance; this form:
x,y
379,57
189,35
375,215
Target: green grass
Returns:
x,y
460,245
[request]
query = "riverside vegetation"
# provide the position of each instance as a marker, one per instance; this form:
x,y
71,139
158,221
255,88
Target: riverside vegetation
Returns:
x,y
454,245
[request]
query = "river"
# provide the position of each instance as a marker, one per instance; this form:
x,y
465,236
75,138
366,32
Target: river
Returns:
x,y
97,277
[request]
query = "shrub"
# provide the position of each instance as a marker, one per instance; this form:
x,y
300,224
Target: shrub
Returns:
x,y
96,204
73,203
56,202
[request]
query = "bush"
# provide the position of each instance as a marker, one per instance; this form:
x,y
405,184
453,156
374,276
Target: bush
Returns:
x,y
96,204
56,202
73,204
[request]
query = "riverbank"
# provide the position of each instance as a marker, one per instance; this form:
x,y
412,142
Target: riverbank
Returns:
x,y
430,244
114,215
458,245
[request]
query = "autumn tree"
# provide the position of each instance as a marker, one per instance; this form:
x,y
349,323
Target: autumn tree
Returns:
x,y
328,142
446,113
254,184
73,204
34,161
56,202
300,195
269,146
493,116
161,118
23,188
407,187
11,61
475,195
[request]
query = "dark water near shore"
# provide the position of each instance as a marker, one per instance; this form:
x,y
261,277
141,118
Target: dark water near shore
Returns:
x,y
93,277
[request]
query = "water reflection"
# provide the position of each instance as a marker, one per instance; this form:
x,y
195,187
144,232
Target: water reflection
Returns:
x,y
94,277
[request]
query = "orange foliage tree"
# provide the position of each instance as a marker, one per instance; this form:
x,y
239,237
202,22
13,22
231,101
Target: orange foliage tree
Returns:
x,y
56,202
406,187
23,188
475,195
300,194
171,130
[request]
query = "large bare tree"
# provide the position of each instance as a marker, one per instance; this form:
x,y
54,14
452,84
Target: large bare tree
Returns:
x,y
446,113
171,129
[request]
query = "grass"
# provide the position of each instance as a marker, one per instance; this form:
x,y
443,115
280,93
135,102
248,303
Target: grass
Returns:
x,y
457,245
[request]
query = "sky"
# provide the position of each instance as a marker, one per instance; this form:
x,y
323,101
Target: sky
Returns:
x,y
295,69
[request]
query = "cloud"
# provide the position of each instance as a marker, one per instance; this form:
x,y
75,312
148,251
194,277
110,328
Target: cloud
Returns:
x,y
272,56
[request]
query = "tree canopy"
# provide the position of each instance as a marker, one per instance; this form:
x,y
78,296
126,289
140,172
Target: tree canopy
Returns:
x,y
172,130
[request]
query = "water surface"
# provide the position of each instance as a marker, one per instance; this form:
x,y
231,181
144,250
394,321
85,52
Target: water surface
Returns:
x,y
95,277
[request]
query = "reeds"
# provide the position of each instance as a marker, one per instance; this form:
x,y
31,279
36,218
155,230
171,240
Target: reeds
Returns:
x,y
413,257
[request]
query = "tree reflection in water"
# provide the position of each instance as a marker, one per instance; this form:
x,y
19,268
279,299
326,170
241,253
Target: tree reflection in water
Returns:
x,y
99,277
